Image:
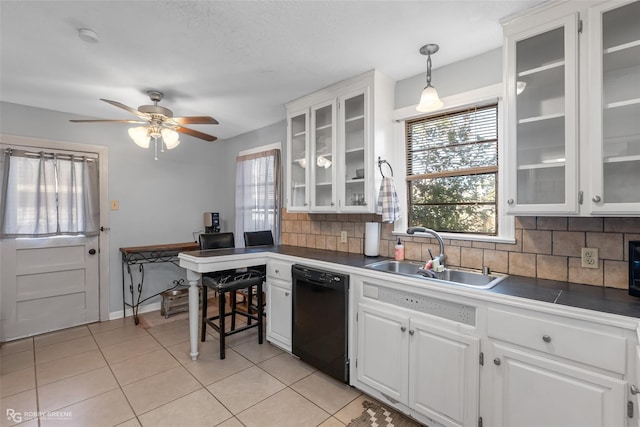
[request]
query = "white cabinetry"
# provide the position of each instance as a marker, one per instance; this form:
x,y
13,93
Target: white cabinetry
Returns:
x,y
331,135
572,73
614,92
415,360
547,371
279,304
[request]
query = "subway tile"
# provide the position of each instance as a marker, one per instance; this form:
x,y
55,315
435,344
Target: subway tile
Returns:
x,y
331,242
302,240
358,230
355,245
610,245
585,224
325,228
305,227
342,247
623,225
551,223
348,227
497,261
331,217
629,238
483,245
293,239
587,276
386,231
552,267
522,264
568,243
321,241
471,258
284,239
296,227
413,251
452,255
536,241
512,247
336,228
315,227
616,274
464,243
525,222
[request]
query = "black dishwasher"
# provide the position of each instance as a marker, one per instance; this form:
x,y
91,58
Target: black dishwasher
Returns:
x,y
320,307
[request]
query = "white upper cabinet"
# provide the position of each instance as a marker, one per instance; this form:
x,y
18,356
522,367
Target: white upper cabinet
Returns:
x,y
541,74
614,95
334,138
572,76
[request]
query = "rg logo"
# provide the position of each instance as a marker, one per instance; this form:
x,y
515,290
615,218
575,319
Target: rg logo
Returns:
x,y
14,416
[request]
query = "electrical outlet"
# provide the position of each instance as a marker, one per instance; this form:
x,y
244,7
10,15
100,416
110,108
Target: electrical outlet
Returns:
x,y
343,237
115,205
590,257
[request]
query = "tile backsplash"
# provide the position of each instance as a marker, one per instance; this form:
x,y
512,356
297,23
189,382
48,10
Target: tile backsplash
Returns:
x,y
545,247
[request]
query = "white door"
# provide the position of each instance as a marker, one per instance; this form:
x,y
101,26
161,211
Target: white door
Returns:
x,y
444,381
534,391
383,352
48,284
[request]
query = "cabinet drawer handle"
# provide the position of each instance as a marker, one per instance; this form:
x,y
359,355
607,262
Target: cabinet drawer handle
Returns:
x,y
403,328
634,390
497,361
596,199
546,338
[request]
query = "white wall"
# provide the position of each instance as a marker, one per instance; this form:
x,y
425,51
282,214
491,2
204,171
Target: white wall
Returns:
x,y
160,201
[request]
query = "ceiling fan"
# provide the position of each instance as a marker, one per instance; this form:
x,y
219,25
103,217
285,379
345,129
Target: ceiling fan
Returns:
x,y
159,122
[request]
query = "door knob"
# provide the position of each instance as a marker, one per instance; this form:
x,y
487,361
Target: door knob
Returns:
x,y
546,338
92,251
596,199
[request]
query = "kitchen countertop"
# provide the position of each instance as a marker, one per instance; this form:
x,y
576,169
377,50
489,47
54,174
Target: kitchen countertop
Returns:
x,y
598,298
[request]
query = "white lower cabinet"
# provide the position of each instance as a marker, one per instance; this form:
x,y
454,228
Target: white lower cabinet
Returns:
x,y
412,359
279,304
531,390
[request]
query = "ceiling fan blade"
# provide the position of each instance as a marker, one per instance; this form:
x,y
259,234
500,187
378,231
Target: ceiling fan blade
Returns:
x,y
108,121
195,120
129,109
195,133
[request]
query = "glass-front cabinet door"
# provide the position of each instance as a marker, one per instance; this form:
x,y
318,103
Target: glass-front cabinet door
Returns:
x,y
323,160
614,116
298,155
353,193
542,84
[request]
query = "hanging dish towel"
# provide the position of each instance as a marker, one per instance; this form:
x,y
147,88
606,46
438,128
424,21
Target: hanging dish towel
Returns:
x,y
388,205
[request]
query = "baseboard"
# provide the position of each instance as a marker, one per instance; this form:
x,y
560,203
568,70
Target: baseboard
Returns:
x,y
129,311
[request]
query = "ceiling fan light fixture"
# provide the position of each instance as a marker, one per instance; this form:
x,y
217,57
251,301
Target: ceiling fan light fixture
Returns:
x,y
140,136
170,138
429,100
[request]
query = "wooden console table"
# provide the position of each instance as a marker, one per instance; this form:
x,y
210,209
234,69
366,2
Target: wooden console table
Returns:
x,y
141,255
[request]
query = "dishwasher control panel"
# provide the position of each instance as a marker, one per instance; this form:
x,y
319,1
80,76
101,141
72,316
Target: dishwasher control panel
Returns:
x,y
461,313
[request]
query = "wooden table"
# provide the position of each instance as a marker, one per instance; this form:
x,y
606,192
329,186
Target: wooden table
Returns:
x,y
141,255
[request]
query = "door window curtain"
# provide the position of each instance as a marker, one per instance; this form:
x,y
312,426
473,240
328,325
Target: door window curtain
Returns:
x,y
257,194
48,194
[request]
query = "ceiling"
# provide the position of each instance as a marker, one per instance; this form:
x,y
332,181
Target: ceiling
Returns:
x,y
238,61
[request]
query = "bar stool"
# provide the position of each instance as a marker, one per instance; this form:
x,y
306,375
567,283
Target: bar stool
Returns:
x,y
230,282
258,238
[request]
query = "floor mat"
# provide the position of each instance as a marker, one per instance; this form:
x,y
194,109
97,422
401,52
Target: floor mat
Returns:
x,y
376,415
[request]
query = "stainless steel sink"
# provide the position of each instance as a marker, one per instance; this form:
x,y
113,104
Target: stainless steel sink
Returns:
x,y
457,276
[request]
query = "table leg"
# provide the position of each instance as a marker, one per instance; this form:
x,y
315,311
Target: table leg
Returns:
x,y
193,279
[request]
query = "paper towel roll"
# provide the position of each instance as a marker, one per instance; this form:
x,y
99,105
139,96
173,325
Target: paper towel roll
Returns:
x,y
372,239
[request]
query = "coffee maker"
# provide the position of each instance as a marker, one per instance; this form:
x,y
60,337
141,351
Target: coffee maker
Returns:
x,y
211,222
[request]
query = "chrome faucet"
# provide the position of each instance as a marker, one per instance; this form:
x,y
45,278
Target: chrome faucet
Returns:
x,y
434,233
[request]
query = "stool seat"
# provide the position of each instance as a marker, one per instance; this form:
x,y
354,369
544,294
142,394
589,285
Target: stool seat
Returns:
x,y
230,284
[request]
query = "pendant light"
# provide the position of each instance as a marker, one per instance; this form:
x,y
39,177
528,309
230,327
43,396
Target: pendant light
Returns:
x,y
429,101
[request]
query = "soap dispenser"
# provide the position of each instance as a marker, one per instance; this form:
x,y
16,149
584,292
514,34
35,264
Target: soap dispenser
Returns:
x,y
399,251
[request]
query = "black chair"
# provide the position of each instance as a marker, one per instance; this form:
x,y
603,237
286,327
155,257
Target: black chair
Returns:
x,y
229,281
258,238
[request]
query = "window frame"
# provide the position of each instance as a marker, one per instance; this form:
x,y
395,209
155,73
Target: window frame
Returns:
x,y
465,100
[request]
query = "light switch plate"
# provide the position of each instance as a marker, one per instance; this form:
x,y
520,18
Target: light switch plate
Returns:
x,y
343,237
115,205
590,257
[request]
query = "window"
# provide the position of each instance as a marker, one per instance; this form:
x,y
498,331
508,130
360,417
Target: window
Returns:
x,y
257,192
48,194
452,168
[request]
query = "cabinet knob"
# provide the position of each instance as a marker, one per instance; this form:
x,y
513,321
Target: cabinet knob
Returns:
x,y
277,271
403,328
411,331
286,294
333,204
634,390
510,201
497,361
546,338
596,199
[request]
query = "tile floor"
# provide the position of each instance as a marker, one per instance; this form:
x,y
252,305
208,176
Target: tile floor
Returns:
x,y
117,374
